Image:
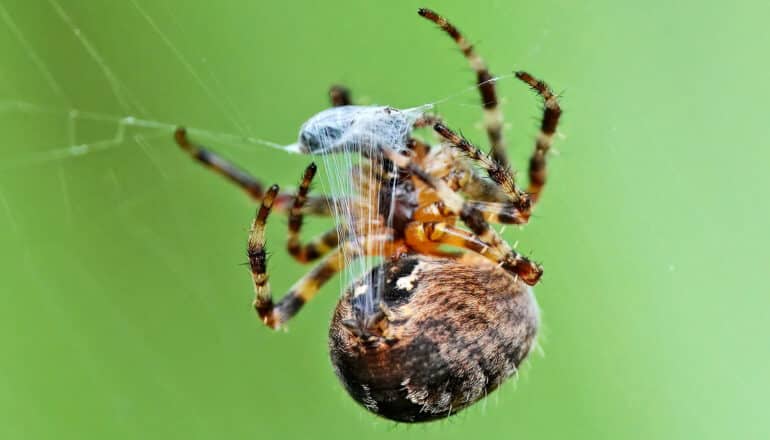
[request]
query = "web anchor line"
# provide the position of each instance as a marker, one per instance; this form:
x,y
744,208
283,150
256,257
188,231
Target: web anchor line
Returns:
x,y
123,123
75,150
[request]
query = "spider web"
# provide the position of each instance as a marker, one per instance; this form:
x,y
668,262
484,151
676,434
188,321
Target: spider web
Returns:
x,y
133,112
62,108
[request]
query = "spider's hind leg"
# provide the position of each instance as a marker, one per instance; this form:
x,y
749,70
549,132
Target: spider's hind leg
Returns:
x,y
276,314
244,180
249,184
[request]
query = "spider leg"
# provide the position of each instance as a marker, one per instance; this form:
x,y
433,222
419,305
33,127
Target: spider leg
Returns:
x,y
215,163
499,212
493,212
461,177
426,120
418,234
420,148
321,244
493,117
249,184
339,96
274,315
456,205
316,247
551,114
499,173
476,187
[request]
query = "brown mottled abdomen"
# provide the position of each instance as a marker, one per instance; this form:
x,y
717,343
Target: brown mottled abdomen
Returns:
x,y
447,333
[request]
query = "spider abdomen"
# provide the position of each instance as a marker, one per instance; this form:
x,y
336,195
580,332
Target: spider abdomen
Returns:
x,y
445,334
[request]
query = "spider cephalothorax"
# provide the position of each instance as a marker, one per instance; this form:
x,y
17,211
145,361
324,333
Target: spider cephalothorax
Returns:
x,y
429,330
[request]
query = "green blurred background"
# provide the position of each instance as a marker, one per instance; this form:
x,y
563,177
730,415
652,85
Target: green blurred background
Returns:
x,y
124,305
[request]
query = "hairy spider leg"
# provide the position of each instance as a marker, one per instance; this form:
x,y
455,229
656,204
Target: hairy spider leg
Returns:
x,y
274,315
493,117
460,176
499,173
548,124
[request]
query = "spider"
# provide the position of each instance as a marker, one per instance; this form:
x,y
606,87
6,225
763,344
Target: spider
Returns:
x,y
446,327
